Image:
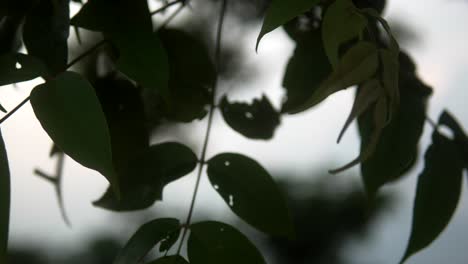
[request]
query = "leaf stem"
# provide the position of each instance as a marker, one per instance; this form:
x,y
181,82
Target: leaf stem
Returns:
x,y
209,125
14,110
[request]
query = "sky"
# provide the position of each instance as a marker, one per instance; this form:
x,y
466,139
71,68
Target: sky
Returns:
x,y
301,143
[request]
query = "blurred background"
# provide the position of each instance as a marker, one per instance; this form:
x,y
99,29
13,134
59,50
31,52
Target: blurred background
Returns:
x,y
334,221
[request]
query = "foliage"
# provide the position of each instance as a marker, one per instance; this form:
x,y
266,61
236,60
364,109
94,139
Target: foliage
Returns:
x,y
169,73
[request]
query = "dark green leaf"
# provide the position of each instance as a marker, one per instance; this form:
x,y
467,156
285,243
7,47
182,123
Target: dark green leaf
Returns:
x,y
145,238
9,27
257,120
279,12
397,148
169,241
214,243
19,68
170,260
306,70
460,137
341,23
143,180
437,194
250,192
70,113
46,31
4,201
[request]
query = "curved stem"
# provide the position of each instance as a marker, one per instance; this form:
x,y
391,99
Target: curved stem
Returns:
x,y
209,125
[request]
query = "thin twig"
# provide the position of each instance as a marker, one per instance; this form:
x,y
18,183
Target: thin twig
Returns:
x,y
161,9
86,53
14,110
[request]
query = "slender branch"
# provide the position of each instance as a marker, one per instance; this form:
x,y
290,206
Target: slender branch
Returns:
x,y
432,123
86,53
209,125
161,9
14,110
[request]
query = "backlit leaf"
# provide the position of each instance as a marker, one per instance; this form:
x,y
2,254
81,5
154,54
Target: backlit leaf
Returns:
x,y
257,120
214,243
19,68
4,201
250,192
69,111
145,238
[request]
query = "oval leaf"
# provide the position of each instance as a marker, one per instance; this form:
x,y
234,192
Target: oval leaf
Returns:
x,y
19,68
437,194
145,238
279,12
4,201
170,260
257,120
250,192
69,111
214,243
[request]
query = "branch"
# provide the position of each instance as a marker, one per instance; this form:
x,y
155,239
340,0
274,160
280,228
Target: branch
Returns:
x,y
161,9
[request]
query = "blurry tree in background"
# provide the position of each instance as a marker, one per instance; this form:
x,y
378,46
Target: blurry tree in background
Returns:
x,y
134,73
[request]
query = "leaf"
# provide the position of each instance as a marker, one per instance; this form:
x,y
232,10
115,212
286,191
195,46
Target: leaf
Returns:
x,y
279,12
437,194
460,137
390,75
359,64
306,70
147,174
214,242
397,148
169,241
341,23
170,260
45,33
19,67
393,45
9,28
145,238
4,201
257,120
250,192
70,113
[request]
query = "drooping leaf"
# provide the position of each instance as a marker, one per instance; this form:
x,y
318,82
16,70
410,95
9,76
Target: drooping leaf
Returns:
x,y
279,12
45,33
393,44
143,181
341,23
250,192
390,75
306,70
257,120
359,64
437,194
4,201
397,148
69,111
214,242
192,76
170,260
19,68
145,238
459,134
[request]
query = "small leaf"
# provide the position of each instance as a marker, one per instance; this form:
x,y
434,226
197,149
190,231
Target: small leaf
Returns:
x,y
147,174
437,194
69,111
341,23
4,201
359,64
459,134
19,67
45,33
145,238
250,192
169,260
279,12
257,120
215,242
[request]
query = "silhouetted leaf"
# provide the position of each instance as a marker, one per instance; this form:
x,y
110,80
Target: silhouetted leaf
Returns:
x,y
306,70
170,260
250,192
257,120
279,12
45,33
145,238
192,76
9,27
459,134
69,111
213,243
358,65
437,194
169,241
4,201
341,23
147,174
19,68
397,148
